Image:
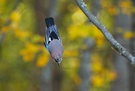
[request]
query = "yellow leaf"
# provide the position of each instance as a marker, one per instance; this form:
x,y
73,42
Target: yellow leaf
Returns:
x,y
112,10
78,17
99,41
97,81
27,55
70,53
21,34
75,31
42,60
96,67
125,4
98,36
38,38
96,63
128,35
15,16
111,75
29,52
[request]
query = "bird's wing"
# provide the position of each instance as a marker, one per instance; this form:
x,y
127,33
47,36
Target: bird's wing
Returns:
x,y
51,31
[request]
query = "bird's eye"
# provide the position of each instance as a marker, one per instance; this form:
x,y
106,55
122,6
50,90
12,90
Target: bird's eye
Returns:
x,y
56,60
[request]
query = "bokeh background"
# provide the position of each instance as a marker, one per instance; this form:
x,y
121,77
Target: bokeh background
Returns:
x,y
89,63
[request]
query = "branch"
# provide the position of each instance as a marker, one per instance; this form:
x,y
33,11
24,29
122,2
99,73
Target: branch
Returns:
x,y
117,46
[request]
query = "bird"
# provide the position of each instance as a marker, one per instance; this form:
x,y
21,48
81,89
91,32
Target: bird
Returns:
x,y
53,42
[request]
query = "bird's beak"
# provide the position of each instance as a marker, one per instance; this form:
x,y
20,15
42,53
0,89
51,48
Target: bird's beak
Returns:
x,y
58,61
58,64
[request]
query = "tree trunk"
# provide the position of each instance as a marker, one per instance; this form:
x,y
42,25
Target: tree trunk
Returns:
x,y
46,77
95,6
85,61
132,78
50,77
122,82
43,9
84,70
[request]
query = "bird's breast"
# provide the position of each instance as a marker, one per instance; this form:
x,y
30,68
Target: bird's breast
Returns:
x,y
55,47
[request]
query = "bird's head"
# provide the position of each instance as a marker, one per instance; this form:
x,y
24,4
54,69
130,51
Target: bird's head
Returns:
x,y
58,60
57,56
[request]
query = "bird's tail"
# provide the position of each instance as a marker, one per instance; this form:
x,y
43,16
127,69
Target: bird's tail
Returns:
x,y
49,21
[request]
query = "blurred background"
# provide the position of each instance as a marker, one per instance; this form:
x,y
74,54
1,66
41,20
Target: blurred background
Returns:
x,y
89,63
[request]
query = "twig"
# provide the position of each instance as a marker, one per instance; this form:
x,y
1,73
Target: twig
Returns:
x,y
117,46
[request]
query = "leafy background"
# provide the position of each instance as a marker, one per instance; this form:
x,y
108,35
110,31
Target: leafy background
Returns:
x,y
25,64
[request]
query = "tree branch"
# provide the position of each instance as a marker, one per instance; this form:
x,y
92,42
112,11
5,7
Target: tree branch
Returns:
x,y
117,46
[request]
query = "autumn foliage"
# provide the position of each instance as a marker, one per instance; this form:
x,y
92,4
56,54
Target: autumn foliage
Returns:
x,y
22,50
